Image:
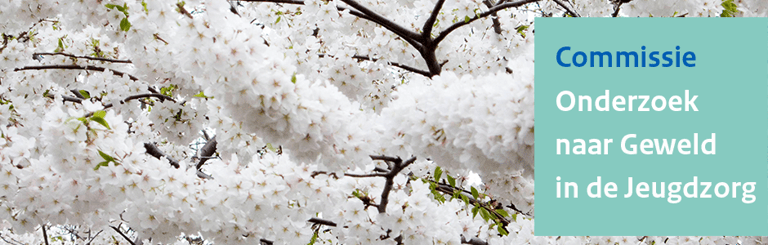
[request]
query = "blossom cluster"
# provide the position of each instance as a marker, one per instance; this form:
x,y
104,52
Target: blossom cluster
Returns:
x,y
99,101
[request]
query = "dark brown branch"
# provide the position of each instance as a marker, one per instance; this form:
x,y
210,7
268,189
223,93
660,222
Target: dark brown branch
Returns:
x,y
386,158
71,99
94,237
123,235
141,96
386,23
616,10
340,9
208,149
427,29
316,173
321,221
152,150
364,13
490,11
399,165
494,17
134,97
183,10
568,9
473,241
74,67
85,57
395,64
77,93
45,235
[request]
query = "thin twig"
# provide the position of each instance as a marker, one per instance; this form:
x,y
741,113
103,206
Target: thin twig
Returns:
x,y
427,29
567,8
74,67
490,11
183,10
85,57
123,235
363,13
395,64
316,173
386,23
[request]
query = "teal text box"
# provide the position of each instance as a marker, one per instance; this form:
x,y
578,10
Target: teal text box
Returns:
x,y
730,77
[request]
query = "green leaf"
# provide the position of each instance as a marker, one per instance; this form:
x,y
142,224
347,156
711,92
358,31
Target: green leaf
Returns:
x,y
85,94
101,121
486,215
271,148
475,194
168,90
521,30
99,113
60,47
729,9
438,173
106,157
202,95
101,164
278,19
293,78
466,19
465,198
125,25
502,212
501,230
451,180
144,4
357,194
123,8
514,217
475,210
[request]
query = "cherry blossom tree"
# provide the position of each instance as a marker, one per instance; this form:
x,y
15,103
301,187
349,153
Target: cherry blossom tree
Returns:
x,y
282,121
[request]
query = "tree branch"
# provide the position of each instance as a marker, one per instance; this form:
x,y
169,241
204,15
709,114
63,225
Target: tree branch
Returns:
x,y
395,64
427,29
141,96
494,17
74,67
184,11
568,9
316,173
490,11
399,165
152,150
208,149
473,241
616,10
123,235
386,23
45,234
389,25
84,57
321,221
